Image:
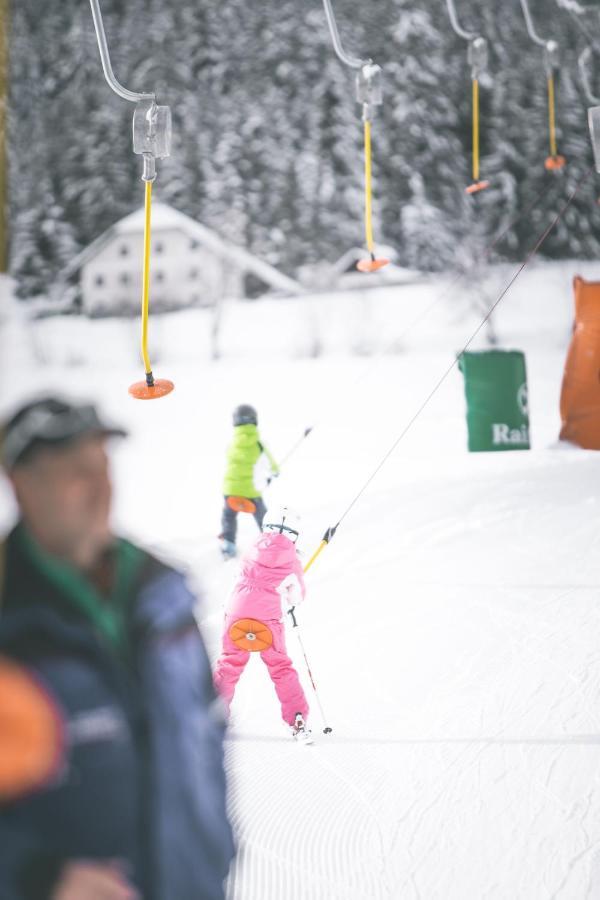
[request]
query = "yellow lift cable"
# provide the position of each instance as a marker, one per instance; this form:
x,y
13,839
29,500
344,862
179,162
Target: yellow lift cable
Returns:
x,y
475,129
315,555
146,277
151,388
554,162
325,540
552,116
368,189
477,55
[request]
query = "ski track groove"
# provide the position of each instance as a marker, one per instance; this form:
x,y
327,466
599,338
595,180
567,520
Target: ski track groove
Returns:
x,y
434,802
333,850
371,812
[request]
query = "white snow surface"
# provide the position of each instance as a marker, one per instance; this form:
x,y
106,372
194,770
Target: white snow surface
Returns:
x,y
452,625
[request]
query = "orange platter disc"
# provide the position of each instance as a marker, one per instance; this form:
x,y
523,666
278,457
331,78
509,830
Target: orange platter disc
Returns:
x,y
371,265
142,391
477,186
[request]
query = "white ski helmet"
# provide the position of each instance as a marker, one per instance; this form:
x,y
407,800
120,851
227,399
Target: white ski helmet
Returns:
x,y
282,520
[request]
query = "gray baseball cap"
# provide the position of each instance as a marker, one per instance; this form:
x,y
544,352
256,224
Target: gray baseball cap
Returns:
x,y
49,422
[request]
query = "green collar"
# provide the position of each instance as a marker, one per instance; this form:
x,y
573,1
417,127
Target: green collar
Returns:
x,y
106,614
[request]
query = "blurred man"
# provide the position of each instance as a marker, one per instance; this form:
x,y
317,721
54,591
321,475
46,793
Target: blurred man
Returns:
x,y
111,772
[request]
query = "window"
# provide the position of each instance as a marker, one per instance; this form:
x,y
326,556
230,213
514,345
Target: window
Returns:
x,y
160,276
124,278
124,250
159,247
194,244
193,274
99,280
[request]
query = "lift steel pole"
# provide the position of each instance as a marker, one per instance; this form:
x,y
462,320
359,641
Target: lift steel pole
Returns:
x,y
4,26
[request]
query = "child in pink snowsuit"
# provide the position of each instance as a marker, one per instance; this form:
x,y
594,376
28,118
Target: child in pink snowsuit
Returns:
x,y
270,581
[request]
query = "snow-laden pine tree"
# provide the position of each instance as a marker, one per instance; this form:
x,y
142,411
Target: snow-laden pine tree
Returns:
x,y
267,134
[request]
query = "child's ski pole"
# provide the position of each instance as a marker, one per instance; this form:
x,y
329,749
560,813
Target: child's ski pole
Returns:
x,y
326,729
291,452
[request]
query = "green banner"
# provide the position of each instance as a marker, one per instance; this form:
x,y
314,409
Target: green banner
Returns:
x,y
496,392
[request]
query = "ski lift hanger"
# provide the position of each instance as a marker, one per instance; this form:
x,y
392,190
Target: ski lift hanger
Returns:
x,y
554,162
353,62
593,111
369,94
152,141
583,63
477,56
118,88
456,26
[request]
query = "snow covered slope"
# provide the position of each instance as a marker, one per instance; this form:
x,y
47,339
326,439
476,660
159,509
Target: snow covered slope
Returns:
x,y
452,625
452,628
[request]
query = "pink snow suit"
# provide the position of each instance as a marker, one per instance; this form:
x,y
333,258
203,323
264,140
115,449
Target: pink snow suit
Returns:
x,y
271,574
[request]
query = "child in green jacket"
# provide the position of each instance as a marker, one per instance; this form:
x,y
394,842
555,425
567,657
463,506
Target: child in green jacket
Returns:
x,y
241,493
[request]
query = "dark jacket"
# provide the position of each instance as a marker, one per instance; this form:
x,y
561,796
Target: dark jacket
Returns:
x,y
142,779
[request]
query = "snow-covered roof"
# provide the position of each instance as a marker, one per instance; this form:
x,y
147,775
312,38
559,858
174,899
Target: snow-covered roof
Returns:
x,y
163,216
166,217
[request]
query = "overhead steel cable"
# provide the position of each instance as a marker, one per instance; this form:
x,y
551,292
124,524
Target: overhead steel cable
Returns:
x,y
331,531
459,276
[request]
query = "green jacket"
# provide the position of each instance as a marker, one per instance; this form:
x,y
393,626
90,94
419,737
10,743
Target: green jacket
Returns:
x,y
244,452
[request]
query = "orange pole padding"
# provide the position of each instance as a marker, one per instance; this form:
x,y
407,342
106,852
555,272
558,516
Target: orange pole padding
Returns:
x,y
580,393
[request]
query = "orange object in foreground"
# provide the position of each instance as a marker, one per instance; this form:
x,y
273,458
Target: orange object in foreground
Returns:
x,y
250,634
477,186
555,163
580,394
143,391
371,265
241,504
31,733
